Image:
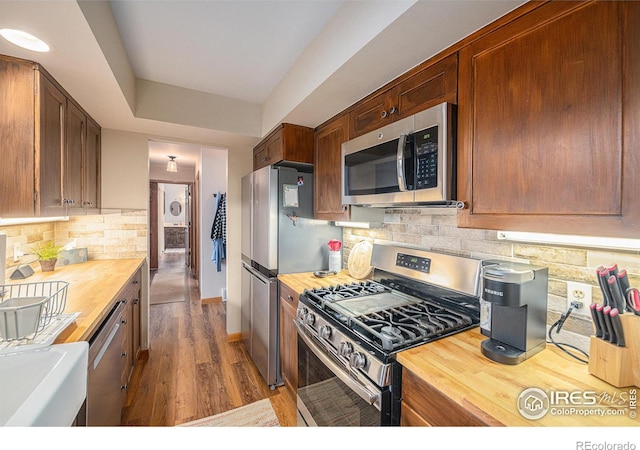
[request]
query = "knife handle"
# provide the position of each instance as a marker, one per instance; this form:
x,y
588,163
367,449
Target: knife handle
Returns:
x,y
616,293
617,326
603,274
623,279
603,324
607,319
596,320
613,270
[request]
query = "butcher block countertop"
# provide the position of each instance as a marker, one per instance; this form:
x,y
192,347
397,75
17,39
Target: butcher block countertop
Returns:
x,y
307,280
488,390
93,287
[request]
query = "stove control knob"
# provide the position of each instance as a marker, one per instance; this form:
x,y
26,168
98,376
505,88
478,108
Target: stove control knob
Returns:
x,y
325,332
345,349
357,360
301,313
309,319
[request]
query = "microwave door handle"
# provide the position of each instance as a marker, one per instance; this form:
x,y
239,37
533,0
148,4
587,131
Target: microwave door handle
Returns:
x,y
402,182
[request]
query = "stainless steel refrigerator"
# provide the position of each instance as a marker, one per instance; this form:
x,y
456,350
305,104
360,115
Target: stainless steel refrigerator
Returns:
x,y
279,236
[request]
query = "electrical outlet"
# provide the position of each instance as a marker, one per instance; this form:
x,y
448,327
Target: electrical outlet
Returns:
x,y
17,253
579,292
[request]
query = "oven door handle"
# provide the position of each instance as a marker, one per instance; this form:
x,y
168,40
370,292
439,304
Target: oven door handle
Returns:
x,y
355,385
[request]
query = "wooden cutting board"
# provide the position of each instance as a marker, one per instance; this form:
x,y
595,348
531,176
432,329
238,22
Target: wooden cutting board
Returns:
x,y
359,263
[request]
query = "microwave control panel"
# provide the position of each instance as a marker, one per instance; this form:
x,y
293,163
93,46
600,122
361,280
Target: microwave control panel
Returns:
x,y
426,146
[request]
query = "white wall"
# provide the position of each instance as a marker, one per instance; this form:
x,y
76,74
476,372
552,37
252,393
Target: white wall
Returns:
x,y
213,178
125,170
125,184
240,163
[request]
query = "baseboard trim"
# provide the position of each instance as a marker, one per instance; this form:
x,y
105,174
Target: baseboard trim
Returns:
x,y
234,337
206,301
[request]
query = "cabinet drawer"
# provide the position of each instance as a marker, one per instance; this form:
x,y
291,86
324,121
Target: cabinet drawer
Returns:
x,y
289,296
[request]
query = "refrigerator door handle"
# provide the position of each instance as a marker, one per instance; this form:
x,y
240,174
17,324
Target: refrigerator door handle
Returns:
x,y
256,274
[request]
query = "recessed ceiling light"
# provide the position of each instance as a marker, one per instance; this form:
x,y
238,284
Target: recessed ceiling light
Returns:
x,y
24,40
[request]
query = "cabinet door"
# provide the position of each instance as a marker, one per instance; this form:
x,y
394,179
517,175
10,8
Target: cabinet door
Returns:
x,y
548,114
50,140
288,338
327,190
435,84
17,122
91,186
76,125
372,114
424,405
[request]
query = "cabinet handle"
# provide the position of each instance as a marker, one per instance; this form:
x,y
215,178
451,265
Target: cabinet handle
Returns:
x,y
290,298
124,387
135,282
124,321
88,204
393,110
124,354
136,301
384,114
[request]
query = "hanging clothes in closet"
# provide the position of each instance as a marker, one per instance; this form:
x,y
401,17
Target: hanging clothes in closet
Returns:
x,y
219,231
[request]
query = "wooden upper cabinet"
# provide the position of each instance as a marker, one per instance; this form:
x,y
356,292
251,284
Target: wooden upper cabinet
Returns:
x,y
548,114
286,143
92,154
51,107
46,156
418,90
74,155
327,201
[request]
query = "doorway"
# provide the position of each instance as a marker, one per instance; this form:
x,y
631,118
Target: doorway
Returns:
x,y
171,240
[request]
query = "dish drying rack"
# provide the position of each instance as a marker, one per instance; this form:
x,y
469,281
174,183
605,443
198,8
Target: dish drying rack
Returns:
x,y
27,308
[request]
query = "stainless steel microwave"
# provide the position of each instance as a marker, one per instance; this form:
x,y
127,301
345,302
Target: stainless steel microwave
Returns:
x,y
408,162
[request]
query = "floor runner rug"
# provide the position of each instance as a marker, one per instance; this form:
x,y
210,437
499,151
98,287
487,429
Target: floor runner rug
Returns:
x,y
257,414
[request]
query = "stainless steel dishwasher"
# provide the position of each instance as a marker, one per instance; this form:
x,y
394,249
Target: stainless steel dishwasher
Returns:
x,y
104,397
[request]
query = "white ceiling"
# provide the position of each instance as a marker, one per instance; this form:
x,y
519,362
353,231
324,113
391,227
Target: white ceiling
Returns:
x,y
223,73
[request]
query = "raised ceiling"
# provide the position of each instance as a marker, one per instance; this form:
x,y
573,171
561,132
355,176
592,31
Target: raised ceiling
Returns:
x,y
223,73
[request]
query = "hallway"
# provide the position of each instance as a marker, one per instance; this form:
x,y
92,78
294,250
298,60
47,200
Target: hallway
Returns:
x,y
192,371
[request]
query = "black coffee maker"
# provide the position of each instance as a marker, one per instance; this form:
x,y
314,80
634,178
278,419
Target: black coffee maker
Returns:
x,y
517,296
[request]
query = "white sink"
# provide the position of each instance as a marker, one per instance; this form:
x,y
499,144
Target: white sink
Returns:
x,y
44,386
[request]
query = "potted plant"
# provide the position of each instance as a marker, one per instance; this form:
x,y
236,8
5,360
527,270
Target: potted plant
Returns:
x,y
47,254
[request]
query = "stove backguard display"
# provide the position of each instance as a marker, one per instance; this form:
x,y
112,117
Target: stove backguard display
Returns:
x,y
413,262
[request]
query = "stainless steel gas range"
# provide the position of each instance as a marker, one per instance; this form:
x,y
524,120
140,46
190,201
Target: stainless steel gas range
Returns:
x,y
348,335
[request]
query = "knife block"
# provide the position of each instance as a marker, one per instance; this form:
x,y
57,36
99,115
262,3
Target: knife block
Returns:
x,y
618,366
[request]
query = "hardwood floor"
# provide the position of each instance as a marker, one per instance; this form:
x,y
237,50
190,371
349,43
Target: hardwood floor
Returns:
x,y
192,371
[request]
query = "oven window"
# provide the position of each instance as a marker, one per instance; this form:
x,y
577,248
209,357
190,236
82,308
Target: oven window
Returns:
x,y
326,400
373,170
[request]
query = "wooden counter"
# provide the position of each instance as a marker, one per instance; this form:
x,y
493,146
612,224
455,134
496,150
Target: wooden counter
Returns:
x,y
307,280
93,287
488,391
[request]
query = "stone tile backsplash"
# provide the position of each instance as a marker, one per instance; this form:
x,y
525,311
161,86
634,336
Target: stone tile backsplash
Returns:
x,y
435,229
106,236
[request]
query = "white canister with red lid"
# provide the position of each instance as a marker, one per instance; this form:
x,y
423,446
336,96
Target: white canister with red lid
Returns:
x,y
335,255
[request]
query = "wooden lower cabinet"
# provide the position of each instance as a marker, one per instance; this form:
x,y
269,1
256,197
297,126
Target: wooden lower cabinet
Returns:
x,y
423,405
288,338
131,323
